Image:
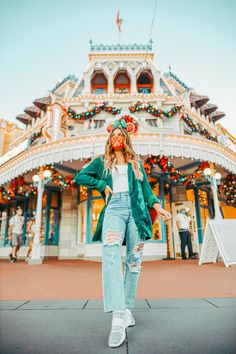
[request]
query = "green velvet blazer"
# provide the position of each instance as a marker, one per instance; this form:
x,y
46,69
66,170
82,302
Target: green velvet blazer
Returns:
x,y
94,176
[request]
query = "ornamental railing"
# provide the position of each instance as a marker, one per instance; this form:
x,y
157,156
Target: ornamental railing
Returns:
x,y
120,47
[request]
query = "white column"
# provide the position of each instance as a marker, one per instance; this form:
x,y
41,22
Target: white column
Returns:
x,y
133,83
87,83
215,198
156,81
110,84
56,119
36,249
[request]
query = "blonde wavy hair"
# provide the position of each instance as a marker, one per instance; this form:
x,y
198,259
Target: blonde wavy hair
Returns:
x,y
130,155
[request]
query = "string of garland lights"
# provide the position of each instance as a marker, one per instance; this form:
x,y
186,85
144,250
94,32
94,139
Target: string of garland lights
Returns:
x,y
143,106
176,176
92,112
34,137
227,186
59,180
18,186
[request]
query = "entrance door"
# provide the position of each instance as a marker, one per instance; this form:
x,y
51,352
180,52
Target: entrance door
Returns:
x,y
3,225
51,217
176,206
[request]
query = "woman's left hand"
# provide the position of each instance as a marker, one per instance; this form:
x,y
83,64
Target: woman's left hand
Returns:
x,y
164,214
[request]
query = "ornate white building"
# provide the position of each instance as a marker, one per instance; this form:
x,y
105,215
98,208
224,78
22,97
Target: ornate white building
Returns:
x,y
177,136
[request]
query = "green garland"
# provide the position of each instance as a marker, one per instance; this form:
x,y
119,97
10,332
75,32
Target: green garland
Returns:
x,y
18,185
34,137
138,107
227,186
176,176
92,112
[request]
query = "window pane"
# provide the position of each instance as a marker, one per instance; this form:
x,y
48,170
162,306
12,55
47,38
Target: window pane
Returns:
x,y
190,195
204,216
203,197
97,206
95,193
54,200
83,191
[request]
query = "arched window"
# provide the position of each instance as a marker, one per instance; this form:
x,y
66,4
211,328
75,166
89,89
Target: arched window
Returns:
x,y
122,82
145,82
99,83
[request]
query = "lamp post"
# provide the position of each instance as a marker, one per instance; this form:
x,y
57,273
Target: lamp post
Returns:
x,y
214,178
39,180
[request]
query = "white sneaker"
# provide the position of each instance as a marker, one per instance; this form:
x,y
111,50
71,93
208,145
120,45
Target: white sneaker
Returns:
x,y
118,326
129,318
27,259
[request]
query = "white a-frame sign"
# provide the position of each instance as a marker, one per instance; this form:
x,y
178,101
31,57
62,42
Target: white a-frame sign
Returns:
x,y
220,236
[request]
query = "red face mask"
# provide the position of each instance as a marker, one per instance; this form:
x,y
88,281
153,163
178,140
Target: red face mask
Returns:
x,y
117,142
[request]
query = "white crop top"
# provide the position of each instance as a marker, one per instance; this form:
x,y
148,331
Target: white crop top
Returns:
x,y
120,179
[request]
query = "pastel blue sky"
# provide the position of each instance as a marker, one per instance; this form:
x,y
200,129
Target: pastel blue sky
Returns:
x,y
43,41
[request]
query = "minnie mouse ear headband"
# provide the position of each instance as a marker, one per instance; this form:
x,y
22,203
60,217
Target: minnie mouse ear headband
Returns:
x,y
126,122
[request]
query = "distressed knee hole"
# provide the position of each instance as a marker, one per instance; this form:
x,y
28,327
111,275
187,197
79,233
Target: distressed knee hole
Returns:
x,y
135,267
139,247
112,237
134,260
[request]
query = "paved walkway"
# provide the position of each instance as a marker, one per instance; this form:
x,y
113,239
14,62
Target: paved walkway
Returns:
x,y
79,279
163,326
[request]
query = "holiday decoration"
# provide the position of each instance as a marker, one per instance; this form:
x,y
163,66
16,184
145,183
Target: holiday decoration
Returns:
x,y
197,128
167,167
144,106
92,112
18,185
126,122
140,106
228,187
59,180
34,137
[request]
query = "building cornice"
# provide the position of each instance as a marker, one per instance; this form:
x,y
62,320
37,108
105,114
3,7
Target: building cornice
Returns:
x,y
144,144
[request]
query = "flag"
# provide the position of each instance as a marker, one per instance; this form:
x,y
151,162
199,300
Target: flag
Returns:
x,y
119,21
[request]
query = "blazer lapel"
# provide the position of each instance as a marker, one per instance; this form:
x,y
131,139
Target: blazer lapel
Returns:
x,y
130,177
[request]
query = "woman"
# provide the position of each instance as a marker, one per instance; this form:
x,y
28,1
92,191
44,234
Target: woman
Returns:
x,y
124,220
30,235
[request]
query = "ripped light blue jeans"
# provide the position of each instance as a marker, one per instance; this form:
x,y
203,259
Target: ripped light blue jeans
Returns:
x,y
119,290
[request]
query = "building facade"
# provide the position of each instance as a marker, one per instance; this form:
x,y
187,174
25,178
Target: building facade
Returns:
x,y
177,135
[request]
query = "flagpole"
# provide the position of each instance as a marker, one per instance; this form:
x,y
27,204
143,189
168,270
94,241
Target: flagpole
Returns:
x,y
119,22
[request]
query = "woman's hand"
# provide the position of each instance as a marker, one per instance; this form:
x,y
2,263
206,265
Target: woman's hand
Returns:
x,y
107,191
164,214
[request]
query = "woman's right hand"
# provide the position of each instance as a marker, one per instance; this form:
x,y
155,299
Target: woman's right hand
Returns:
x,y
107,191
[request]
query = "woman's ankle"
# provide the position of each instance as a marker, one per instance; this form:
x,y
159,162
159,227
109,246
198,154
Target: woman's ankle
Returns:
x,y
123,311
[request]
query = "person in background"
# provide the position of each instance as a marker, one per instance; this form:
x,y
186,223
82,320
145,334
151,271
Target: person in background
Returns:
x,y
16,224
183,224
30,235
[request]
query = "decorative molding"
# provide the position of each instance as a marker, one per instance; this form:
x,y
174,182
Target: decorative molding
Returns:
x,y
145,144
